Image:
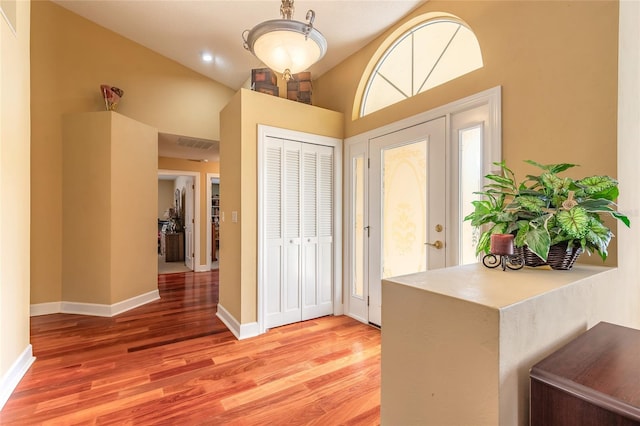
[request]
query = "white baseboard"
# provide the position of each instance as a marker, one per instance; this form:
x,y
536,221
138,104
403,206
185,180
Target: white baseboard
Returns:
x,y
203,268
94,309
38,309
241,331
134,302
358,318
15,373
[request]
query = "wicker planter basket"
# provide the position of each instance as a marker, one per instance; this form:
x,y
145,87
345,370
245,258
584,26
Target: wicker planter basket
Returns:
x,y
560,257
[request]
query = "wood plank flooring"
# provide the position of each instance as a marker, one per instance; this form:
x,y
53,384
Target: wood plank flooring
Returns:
x,y
173,362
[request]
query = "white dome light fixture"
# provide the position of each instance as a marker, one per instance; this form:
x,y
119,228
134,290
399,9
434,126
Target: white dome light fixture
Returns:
x,y
284,45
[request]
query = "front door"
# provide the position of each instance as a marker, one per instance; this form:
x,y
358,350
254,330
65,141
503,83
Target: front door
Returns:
x,y
406,219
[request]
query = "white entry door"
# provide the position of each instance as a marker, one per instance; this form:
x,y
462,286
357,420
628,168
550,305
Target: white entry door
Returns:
x,y
408,191
406,221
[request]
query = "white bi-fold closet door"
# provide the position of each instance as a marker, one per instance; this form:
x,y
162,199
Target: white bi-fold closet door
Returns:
x,y
298,230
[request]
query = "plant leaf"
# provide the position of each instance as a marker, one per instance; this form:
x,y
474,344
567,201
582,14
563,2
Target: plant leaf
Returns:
x,y
523,229
484,243
538,241
503,181
623,218
597,205
530,202
599,236
557,168
574,222
597,184
555,183
552,168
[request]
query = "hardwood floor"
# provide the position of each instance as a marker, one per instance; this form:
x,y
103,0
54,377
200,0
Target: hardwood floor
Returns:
x,y
173,362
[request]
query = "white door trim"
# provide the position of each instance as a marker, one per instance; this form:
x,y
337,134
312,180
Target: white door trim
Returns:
x,y
210,224
263,133
491,97
196,210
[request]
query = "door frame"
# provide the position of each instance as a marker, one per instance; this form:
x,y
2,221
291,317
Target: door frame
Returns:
x,y
276,132
490,97
196,210
210,177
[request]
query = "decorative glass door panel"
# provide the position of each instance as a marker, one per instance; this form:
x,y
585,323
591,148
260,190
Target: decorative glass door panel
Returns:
x,y
404,209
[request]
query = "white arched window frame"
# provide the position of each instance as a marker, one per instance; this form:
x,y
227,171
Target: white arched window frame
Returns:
x,y
429,54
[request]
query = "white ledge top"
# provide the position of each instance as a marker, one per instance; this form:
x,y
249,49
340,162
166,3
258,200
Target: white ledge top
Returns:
x,y
494,287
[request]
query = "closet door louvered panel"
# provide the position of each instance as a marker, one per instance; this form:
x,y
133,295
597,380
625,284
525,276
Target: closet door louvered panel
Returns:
x,y
326,190
310,228
274,253
292,214
282,229
318,231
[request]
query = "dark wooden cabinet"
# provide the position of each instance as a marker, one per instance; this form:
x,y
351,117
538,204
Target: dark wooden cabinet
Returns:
x,y
174,247
592,381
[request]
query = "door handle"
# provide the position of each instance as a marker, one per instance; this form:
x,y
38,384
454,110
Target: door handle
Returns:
x,y
437,244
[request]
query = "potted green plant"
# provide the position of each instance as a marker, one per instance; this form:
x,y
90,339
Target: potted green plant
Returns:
x,y
547,212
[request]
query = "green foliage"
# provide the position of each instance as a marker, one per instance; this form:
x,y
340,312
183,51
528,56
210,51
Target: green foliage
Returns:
x,y
547,209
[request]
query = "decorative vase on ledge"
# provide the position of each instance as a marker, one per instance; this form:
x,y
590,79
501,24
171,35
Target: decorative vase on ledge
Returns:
x,y
111,96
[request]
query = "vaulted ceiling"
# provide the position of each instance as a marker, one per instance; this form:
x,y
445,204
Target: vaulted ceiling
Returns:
x,y
184,29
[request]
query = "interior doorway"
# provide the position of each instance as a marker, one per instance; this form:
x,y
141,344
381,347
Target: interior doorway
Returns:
x,y
177,221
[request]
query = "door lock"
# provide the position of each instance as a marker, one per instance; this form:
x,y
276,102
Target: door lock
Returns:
x,y
437,244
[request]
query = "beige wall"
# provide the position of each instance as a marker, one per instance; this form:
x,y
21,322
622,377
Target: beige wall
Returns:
x,y
165,197
110,198
239,181
178,165
556,63
86,195
230,253
71,58
134,262
15,350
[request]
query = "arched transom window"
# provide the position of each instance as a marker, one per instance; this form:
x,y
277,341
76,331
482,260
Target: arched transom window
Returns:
x,y
429,54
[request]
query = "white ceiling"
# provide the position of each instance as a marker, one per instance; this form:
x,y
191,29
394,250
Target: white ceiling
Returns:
x,y
183,29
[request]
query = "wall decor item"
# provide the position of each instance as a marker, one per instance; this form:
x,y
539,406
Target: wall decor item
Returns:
x,y
552,218
263,76
299,87
264,80
111,96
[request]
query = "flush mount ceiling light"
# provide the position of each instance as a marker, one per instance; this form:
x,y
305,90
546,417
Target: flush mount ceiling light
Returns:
x,y
207,57
284,45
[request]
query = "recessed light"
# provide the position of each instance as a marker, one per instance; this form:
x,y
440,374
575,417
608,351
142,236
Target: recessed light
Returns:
x,y
207,57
